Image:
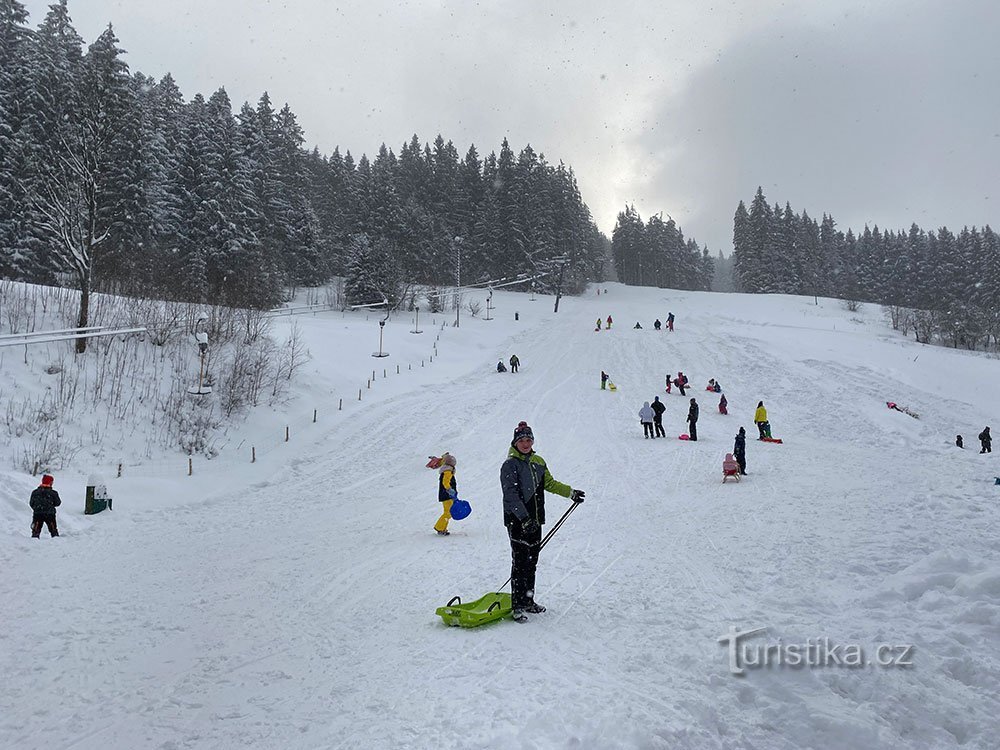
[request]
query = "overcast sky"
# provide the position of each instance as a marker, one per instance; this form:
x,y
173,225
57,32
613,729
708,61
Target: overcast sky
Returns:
x,y
886,112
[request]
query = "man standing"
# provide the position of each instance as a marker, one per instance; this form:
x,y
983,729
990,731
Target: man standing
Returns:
x,y
986,441
658,409
514,363
44,501
693,419
524,477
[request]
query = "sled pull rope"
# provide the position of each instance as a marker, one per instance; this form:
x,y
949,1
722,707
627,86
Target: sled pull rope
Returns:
x,y
548,536
454,600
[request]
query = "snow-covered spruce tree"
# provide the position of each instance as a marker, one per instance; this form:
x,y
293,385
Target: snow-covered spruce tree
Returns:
x,y
372,275
74,203
15,142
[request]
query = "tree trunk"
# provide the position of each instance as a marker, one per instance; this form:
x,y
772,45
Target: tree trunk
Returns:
x,y
81,343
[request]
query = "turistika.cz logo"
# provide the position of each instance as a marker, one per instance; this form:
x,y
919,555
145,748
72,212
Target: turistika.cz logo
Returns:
x,y
815,652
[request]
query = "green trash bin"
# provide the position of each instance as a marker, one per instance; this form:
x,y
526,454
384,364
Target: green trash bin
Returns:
x,y
97,497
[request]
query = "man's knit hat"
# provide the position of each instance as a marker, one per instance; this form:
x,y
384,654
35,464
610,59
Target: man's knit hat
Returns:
x,y
47,480
522,431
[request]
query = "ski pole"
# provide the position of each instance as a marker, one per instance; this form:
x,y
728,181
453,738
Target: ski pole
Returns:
x,y
548,536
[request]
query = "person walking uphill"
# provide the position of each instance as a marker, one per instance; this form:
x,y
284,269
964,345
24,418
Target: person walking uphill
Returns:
x,y
44,501
693,419
760,419
524,477
447,492
658,409
646,415
986,440
514,363
740,450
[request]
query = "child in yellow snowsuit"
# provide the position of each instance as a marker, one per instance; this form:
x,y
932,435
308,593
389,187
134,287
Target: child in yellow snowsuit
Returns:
x,y
447,492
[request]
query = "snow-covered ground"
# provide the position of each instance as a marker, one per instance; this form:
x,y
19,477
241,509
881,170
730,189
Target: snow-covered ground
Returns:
x,y
290,603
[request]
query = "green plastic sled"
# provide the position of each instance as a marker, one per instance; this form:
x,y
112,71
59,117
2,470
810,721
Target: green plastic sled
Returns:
x,y
489,608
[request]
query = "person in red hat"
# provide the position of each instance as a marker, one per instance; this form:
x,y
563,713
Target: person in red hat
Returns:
x,y
44,501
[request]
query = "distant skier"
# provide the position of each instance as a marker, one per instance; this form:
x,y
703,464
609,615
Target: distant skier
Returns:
x,y
609,322
44,501
658,409
604,380
598,325
693,419
670,321
514,363
669,383
760,419
740,450
657,324
637,326
646,415
524,477
986,440
501,367
723,405
959,442
447,492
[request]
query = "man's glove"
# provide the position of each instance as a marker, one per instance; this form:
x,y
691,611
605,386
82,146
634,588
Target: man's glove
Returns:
x,y
531,526
577,496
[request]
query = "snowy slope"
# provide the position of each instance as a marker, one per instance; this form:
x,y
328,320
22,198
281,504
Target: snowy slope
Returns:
x,y
289,603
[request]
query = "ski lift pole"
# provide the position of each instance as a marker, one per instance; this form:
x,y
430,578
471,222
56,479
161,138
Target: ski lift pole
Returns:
x,y
202,390
548,536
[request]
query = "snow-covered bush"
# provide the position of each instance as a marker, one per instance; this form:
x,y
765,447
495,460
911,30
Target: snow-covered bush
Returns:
x,y
128,395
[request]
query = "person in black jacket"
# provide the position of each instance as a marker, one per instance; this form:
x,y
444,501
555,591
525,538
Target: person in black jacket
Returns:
x,y
658,409
959,442
740,450
44,501
986,440
693,419
524,477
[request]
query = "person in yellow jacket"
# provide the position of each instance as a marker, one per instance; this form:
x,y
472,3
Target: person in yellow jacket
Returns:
x,y
447,492
760,418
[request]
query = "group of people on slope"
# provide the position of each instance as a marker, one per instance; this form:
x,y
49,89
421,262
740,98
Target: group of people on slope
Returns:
x,y
599,322
985,441
651,418
524,478
657,325
514,364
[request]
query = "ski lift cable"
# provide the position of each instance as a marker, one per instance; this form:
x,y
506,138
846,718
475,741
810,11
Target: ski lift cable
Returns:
x,y
74,337
36,334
